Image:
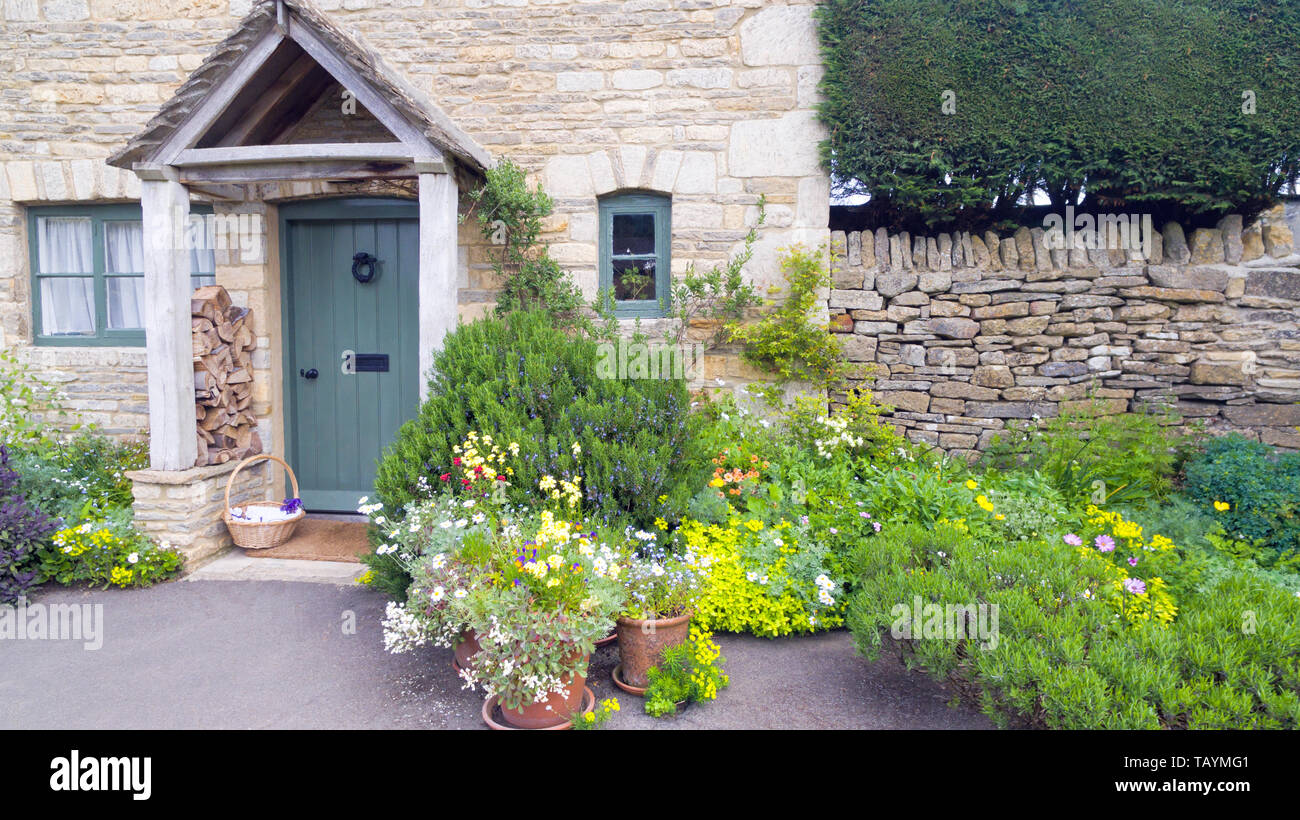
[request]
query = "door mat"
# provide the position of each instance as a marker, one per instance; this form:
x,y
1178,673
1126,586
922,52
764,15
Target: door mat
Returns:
x,y
321,540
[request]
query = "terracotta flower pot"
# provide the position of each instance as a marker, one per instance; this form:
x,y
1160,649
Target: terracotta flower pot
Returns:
x,y
537,715
465,650
642,642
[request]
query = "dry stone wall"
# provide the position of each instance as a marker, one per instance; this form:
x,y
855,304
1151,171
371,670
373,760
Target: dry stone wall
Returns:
x,y
965,332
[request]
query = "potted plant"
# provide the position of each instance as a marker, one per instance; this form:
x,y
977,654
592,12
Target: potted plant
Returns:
x,y
690,672
442,544
553,592
662,587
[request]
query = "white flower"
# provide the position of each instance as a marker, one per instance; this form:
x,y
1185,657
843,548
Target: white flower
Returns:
x,y
438,594
460,593
133,558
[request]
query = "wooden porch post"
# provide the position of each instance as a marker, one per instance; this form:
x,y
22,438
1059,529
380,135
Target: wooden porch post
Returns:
x,y
438,290
168,350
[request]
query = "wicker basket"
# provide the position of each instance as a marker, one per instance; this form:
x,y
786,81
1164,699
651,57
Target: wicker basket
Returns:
x,y
260,535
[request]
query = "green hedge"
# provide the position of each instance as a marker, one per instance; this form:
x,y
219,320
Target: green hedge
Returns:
x,y
1137,103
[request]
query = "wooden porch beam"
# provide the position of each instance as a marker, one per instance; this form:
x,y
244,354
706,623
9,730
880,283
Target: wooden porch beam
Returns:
x,y
165,207
268,103
260,154
215,103
438,264
295,171
365,94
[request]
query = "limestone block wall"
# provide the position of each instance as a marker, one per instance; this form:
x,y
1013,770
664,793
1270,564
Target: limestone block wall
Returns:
x,y
77,78
712,102
965,332
184,508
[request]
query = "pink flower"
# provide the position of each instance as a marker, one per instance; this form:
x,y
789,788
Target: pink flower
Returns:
x,y
1133,562
876,524
1105,543
1072,539
1135,585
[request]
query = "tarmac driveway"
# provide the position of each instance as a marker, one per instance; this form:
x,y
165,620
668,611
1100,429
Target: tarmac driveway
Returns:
x,y
274,654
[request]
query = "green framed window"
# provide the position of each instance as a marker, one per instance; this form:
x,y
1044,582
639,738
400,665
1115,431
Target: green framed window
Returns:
x,y
635,243
87,267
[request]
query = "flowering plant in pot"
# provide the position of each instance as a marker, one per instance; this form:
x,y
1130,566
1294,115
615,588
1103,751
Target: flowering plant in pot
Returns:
x,y
553,592
442,543
662,587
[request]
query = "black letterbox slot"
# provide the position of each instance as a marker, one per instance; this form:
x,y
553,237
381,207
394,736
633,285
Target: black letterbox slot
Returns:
x,y
372,362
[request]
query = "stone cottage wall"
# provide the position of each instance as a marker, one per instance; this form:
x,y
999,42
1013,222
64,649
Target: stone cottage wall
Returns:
x,y
712,102
965,332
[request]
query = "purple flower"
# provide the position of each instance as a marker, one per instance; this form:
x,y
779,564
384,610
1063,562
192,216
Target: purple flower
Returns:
x,y
1072,539
1135,585
876,524
834,531
1133,562
1105,543
291,505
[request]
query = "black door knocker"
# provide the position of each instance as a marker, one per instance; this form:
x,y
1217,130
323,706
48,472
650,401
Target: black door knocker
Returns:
x,y
363,260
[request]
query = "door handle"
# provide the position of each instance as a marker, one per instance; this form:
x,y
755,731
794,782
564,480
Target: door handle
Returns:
x,y
309,374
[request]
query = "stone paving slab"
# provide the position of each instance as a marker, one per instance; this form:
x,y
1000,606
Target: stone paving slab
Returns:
x,y
235,566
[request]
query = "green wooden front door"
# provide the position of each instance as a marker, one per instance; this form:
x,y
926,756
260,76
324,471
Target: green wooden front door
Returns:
x,y
351,358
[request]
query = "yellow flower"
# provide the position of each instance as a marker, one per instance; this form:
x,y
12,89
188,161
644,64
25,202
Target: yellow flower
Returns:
x,y
754,525
970,484
983,501
661,524
1000,517
1222,506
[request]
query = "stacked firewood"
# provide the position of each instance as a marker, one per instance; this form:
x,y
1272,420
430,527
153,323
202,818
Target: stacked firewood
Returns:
x,y
223,377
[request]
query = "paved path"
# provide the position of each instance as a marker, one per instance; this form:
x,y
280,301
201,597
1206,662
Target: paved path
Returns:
x,y
273,654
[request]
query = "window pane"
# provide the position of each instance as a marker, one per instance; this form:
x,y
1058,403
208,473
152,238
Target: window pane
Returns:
x,y
125,302
634,234
634,281
123,247
63,245
67,306
202,261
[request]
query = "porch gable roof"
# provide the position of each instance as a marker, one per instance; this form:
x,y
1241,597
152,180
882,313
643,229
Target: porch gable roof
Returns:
x,y
270,25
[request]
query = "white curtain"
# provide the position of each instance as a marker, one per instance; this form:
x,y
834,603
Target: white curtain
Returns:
x,y
67,302
124,253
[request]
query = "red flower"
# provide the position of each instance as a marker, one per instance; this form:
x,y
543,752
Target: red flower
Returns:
x,y
444,477
456,461
501,478
478,470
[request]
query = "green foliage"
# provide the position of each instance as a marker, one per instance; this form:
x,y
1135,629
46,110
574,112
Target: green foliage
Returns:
x,y
687,673
1261,487
107,551
1061,658
23,529
597,717
511,215
720,295
26,403
786,340
1137,106
81,477
523,380
1090,455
